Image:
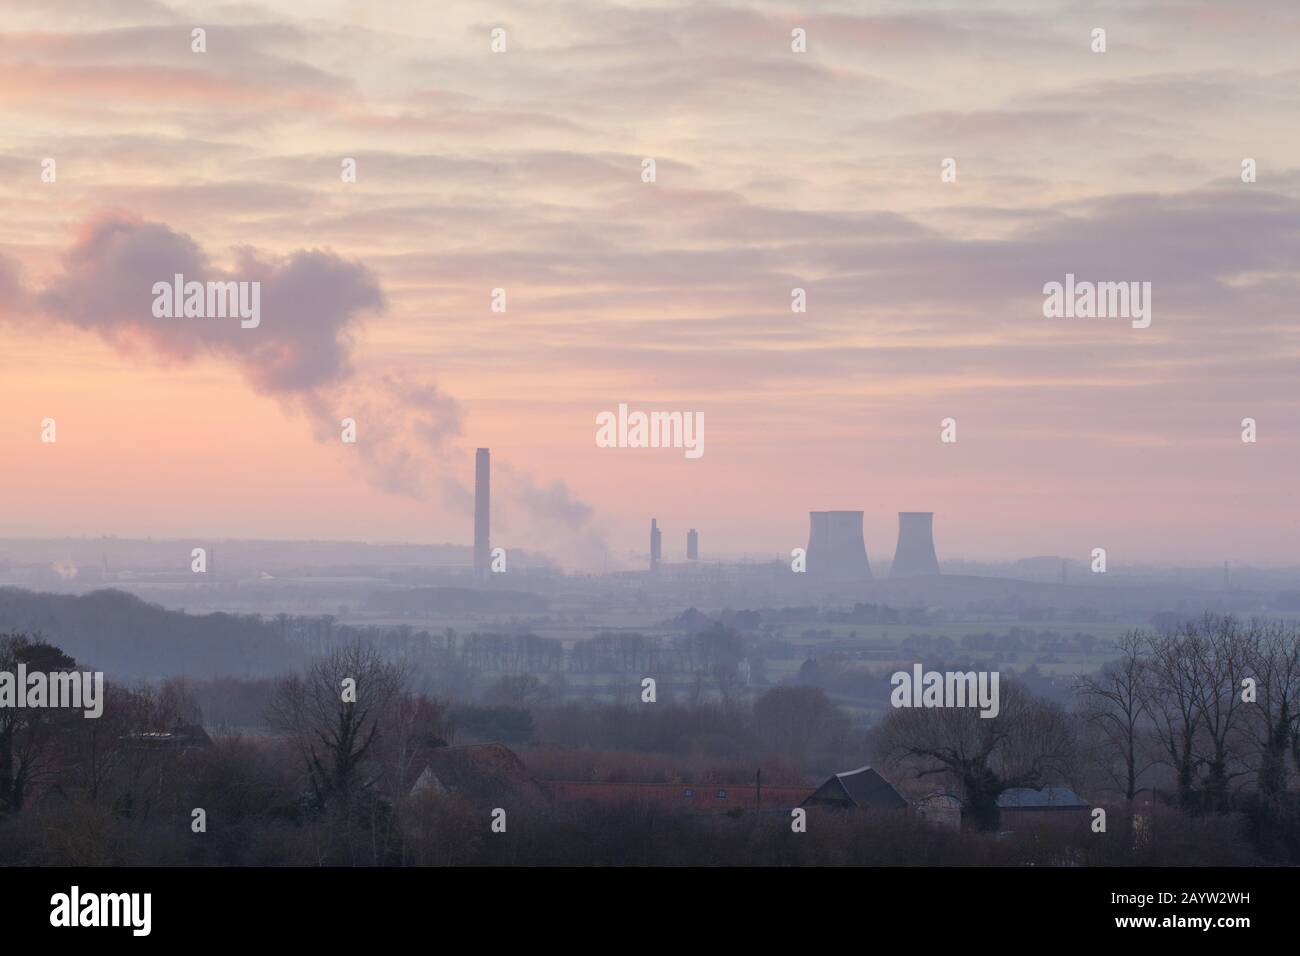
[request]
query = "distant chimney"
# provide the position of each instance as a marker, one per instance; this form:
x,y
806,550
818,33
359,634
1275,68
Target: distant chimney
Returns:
x,y
692,545
914,556
656,544
482,511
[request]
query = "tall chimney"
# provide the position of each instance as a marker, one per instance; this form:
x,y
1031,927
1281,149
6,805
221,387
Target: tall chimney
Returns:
x,y
914,556
692,545
656,544
836,549
482,511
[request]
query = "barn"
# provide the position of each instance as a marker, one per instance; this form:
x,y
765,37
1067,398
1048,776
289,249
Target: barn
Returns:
x,y
1022,808
861,789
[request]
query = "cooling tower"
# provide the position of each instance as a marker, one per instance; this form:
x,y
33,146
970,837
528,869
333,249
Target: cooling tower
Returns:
x,y
482,510
914,556
836,551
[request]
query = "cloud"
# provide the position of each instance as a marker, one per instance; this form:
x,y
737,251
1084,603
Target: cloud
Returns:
x,y
548,511
552,502
302,354
404,429
311,303
776,170
13,298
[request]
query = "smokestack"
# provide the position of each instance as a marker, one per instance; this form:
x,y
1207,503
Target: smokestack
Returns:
x,y
836,550
482,511
914,556
656,544
692,545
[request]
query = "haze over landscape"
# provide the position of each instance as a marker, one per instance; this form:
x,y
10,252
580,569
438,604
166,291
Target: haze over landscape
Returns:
x,y
776,170
706,433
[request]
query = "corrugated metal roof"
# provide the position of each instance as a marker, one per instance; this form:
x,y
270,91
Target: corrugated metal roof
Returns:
x,y
1021,798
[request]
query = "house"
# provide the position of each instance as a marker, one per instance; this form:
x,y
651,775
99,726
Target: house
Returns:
x,y
151,760
490,775
857,789
182,739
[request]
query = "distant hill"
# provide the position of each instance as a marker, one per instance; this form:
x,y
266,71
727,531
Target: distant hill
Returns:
x,y
129,638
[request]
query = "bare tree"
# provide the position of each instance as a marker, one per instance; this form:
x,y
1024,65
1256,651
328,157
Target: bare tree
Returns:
x,y
1274,659
96,752
29,735
1170,694
1026,744
178,708
1219,661
1192,689
333,724
1114,705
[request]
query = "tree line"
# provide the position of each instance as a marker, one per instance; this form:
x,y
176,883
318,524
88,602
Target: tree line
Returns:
x,y
1198,722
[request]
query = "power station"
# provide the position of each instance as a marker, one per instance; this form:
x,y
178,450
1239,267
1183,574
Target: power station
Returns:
x,y
482,511
914,557
836,549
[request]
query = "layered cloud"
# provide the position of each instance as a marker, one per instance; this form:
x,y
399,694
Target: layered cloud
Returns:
x,y
776,170
314,300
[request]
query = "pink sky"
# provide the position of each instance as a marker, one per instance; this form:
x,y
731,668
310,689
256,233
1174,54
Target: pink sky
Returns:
x,y
775,170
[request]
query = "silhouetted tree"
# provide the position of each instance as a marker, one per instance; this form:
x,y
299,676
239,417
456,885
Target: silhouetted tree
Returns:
x,y
334,736
798,720
1027,744
28,734
1114,705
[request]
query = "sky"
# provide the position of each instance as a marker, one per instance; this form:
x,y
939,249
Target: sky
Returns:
x,y
522,170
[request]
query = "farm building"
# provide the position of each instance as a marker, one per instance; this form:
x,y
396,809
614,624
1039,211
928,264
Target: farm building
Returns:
x,y
1023,807
1020,808
857,789
489,775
